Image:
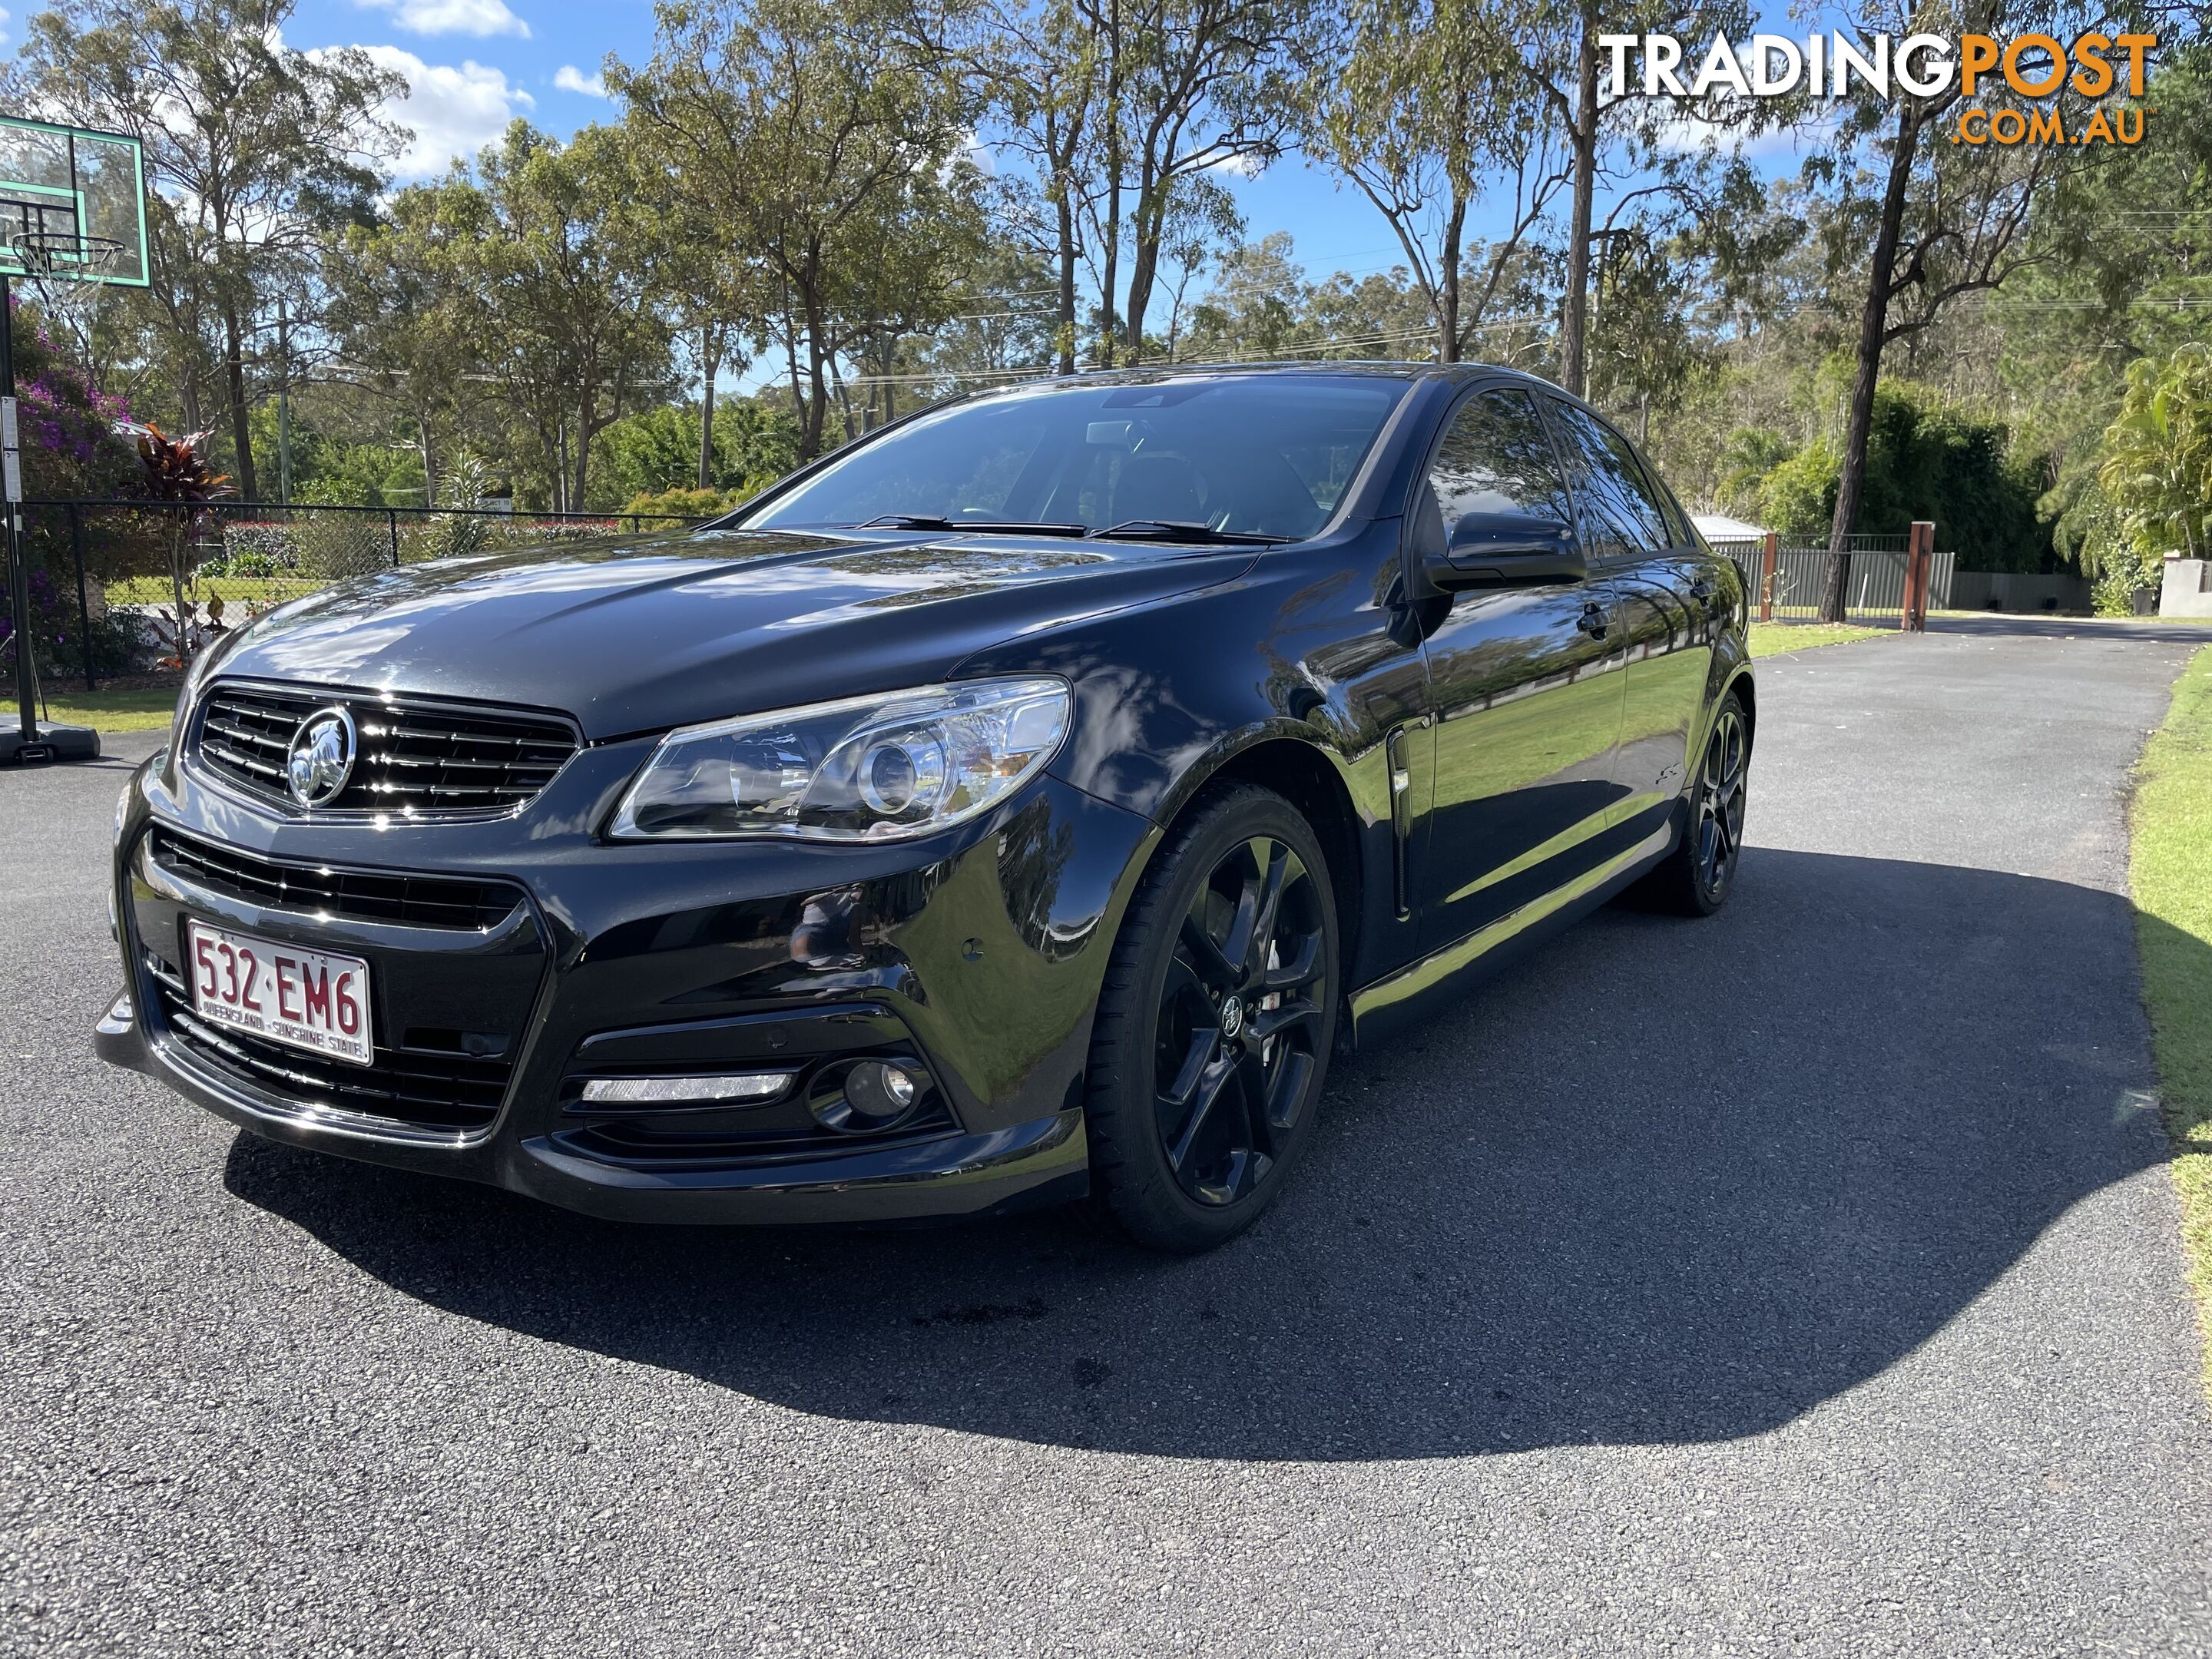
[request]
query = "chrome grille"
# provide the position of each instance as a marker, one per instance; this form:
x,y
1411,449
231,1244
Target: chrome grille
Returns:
x,y
416,756
357,895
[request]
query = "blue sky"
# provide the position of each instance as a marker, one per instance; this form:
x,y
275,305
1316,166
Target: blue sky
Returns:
x,y
474,64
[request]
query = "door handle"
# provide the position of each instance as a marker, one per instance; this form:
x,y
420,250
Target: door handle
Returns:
x,y
1701,590
1592,620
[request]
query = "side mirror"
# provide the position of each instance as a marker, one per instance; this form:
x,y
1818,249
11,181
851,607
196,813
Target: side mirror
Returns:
x,y
1508,549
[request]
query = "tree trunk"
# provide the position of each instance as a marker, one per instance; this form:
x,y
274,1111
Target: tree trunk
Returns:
x,y
1112,228
1066,281
1144,268
710,361
429,451
791,362
1575,313
1448,283
817,401
1874,323
585,431
241,439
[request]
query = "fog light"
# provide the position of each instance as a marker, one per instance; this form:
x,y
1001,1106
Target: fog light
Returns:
x,y
739,1087
871,1094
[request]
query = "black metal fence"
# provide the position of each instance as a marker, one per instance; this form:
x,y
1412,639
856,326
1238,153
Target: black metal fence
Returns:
x,y
1874,589
118,586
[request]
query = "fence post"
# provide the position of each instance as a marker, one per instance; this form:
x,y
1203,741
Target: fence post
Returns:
x,y
84,600
392,522
1917,555
1769,560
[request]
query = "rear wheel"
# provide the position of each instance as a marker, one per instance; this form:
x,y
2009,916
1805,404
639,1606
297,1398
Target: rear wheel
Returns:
x,y
1215,1026
1697,876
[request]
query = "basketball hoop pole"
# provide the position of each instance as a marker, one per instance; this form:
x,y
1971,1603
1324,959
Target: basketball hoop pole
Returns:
x,y
19,575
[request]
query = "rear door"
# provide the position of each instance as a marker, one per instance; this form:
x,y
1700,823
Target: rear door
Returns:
x,y
1663,592
1526,703
1664,646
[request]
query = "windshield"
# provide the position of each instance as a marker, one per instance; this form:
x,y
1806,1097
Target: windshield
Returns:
x,y
1247,456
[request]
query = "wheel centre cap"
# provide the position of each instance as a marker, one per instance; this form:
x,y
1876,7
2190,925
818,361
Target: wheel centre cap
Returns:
x,y
1232,1016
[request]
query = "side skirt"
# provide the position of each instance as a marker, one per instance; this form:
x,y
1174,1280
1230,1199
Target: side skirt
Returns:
x,y
1418,988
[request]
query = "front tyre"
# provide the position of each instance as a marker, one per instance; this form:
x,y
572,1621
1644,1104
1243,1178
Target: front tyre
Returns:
x,y
1215,1024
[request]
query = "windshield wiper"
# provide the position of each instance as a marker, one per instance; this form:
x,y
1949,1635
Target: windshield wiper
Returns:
x,y
994,526
1183,530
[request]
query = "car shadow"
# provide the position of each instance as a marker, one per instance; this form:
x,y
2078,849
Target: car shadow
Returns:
x,y
1665,1181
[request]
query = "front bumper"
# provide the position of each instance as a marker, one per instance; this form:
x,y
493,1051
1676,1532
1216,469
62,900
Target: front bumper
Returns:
x,y
977,954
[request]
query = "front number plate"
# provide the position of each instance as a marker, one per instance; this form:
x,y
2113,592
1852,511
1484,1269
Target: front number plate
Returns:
x,y
310,1000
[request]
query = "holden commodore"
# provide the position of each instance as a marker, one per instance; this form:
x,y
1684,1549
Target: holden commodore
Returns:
x,y
1022,803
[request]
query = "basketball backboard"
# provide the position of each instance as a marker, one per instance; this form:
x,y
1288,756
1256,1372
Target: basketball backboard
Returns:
x,y
72,203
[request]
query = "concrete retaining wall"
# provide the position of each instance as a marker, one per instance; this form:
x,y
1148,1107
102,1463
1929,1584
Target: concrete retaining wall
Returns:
x,y
2187,590
1998,589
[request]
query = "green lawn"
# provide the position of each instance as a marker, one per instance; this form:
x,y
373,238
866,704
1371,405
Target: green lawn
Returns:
x,y
157,590
114,711
2170,872
1773,638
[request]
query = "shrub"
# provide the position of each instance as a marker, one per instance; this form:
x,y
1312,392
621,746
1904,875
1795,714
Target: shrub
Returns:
x,y
251,549
689,503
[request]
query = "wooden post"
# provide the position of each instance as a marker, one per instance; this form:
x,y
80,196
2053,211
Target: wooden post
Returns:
x,y
1769,560
1919,556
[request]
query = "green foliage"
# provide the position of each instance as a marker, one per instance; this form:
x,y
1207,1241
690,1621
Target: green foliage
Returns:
x,y
687,503
1797,496
2157,472
658,451
2124,571
1925,459
1748,459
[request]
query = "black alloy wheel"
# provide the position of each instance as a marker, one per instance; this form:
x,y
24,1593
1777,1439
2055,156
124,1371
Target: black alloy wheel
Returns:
x,y
1717,828
1226,975
1696,878
1236,1022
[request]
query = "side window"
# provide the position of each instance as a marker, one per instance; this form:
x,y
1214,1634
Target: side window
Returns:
x,y
1679,532
1619,517
1497,458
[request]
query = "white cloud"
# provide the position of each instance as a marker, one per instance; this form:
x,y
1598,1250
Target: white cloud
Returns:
x,y
452,112
1247,165
569,78
477,17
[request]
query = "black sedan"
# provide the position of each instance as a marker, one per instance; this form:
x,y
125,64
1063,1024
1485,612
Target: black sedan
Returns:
x,y
1024,802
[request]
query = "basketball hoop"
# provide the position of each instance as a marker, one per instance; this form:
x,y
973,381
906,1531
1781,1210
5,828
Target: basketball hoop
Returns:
x,y
45,253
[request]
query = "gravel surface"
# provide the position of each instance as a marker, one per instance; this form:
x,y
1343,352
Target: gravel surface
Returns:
x,y
1801,1281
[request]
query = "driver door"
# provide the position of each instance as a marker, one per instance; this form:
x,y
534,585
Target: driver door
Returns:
x,y
1524,688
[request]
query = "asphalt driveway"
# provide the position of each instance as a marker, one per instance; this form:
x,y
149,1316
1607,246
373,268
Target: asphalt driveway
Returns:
x,y
1801,1281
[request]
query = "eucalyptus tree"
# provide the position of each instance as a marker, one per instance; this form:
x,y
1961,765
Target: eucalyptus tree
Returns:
x,y
1934,220
257,149
405,313
907,260
1422,105
1033,67
716,290
790,121
538,256
1607,133
1187,86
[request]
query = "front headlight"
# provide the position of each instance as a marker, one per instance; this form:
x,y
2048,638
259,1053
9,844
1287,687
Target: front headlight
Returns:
x,y
860,769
